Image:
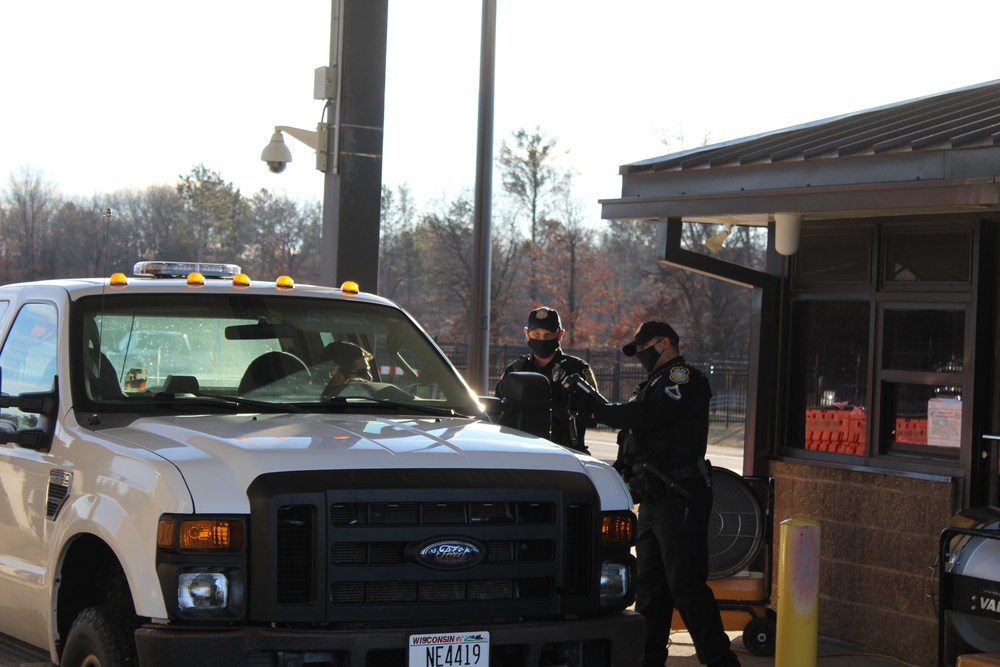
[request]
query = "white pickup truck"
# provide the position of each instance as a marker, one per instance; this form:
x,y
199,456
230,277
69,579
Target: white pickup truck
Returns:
x,y
247,508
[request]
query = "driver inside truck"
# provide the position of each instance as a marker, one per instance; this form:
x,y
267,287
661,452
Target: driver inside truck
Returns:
x,y
344,362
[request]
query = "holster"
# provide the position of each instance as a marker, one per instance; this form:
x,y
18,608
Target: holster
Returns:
x,y
646,485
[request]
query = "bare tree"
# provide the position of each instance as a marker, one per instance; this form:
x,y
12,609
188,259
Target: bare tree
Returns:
x,y
447,244
156,214
29,202
629,284
533,181
91,242
399,263
506,299
566,242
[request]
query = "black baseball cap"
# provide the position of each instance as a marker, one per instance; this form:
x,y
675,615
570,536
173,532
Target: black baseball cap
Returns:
x,y
544,318
646,332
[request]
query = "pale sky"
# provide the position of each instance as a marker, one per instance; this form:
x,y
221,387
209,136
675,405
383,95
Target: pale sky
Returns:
x,y
112,94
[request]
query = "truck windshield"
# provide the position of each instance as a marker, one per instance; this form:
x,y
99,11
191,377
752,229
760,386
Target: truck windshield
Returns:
x,y
269,352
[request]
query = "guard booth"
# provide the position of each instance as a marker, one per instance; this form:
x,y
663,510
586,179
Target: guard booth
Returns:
x,y
874,397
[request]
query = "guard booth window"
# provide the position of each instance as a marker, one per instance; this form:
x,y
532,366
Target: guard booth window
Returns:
x,y
880,341
922,380
828,384
928,256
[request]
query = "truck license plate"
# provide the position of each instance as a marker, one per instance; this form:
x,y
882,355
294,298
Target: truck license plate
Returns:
x,y
446,649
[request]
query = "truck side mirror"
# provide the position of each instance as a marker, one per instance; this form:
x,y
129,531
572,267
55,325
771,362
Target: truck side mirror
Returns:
x,y
527,403
44,403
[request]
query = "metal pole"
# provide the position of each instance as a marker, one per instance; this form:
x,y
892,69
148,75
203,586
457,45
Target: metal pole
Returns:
x,y
329,239
479,344
353,184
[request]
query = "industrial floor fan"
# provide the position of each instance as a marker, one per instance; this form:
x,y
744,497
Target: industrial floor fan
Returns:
x,y
969,585
739,558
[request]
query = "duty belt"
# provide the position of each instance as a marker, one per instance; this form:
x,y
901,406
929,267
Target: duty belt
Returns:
x,y
702,469
693,471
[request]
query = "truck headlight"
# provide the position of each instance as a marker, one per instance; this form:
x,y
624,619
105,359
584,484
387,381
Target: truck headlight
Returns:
x,y
614,583
201,562
202,590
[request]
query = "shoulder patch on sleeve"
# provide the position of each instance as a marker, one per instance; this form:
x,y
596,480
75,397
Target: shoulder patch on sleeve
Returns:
x,y
679,375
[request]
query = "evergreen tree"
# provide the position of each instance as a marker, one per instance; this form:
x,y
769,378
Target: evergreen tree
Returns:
x,y
211,208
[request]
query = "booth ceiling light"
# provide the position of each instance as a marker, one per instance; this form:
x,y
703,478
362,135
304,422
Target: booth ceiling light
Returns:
x,y
786,232
714,243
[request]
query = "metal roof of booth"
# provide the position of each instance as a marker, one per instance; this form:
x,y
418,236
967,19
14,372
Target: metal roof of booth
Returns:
x,y
928,155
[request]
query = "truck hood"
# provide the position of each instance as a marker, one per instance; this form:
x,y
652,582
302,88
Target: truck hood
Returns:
x,y
220,456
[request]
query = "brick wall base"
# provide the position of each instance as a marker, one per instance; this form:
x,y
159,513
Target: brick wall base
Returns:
x,y
879,541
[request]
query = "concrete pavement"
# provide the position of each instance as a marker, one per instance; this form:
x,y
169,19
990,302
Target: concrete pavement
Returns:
x,y
830,653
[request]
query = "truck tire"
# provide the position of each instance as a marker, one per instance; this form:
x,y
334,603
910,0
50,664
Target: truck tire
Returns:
x,y
100,637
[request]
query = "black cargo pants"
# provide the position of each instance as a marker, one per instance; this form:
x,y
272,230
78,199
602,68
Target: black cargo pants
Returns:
x,y
672,556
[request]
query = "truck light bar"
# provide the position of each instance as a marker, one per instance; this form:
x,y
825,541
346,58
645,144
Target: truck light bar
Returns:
x,y
182,269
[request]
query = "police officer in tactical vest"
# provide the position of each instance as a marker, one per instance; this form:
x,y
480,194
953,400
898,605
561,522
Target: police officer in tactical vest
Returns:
x,y
662,443
543,336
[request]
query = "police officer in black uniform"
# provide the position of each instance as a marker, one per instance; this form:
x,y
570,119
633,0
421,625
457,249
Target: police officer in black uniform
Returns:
x,y
662,457
543,336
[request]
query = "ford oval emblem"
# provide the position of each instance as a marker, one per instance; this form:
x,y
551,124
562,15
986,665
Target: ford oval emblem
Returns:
x,y
451,554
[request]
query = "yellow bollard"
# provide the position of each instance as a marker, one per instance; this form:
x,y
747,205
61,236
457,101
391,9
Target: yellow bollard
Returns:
x,y
797,634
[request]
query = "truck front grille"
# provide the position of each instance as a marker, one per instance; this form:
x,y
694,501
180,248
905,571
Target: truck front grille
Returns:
x,y
347,547
346,554
294,564
410,592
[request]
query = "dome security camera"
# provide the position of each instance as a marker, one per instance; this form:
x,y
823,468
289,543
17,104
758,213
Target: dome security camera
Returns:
x,y
276,154
275,166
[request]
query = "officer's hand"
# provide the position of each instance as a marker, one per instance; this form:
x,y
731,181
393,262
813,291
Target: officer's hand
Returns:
x,y
580,403
581,397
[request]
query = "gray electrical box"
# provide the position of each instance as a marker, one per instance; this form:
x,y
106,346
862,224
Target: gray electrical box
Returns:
x,y
325,83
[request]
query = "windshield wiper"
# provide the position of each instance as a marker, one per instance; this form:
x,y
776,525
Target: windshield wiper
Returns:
x,y
266,405
221,400
338,402
360,401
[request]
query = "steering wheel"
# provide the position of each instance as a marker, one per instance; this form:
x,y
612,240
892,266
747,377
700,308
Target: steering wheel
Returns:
x,y
354,387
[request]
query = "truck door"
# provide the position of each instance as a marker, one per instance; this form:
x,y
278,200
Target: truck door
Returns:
x,y
27,364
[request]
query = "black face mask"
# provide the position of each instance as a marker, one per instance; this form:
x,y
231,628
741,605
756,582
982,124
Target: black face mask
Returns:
x,y
648,358
543,349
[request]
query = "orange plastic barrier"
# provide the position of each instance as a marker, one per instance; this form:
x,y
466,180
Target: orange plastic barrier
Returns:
x,y
837,431
911,431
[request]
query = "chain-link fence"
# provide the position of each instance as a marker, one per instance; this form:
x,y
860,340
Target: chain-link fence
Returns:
x,y
618,375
